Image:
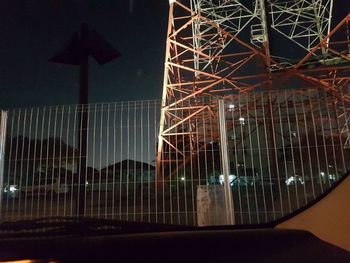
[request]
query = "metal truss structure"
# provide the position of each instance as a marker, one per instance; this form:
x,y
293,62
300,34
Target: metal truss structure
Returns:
x,y
305,22
221,49
302,22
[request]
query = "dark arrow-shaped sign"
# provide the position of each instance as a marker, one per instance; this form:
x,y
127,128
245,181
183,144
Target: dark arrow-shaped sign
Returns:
x,y
77,51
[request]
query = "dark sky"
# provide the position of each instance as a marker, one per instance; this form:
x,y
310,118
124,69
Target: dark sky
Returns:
x,y
32,31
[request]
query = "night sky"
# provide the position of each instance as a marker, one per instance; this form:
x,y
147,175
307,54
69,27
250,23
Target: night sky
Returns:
x,y
33,31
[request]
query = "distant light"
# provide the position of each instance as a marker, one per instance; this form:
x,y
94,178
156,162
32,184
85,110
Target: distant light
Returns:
x,y
182,178
241,121
13,188
322,173
231,178
290,180
231,107
293,180
221,179
86,183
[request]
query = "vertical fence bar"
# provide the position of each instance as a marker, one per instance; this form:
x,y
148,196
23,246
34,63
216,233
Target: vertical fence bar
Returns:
x,y
212,163
121,163
251,149
338,132
291,144
193,200
52,171
34,161
205,143
299,134
141,180
93,162
127,160
114,159
269,161
3,129
87,153
308,146
41,158
281,130
20,183
149,167
74,158
156,130
244,147
99,202
134,173
318,168
10,153
343,146
107,161
236,150
257,124
28,160
273,143
59,188
335,164
67,160
225,164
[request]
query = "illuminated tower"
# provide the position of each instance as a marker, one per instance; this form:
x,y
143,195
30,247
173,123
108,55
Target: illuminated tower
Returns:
x,y
271,61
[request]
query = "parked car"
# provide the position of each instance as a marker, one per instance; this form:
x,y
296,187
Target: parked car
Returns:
x,y
42,186
242,177
11,191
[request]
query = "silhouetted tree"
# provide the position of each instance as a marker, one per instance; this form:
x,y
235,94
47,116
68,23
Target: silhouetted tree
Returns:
x,y
24,156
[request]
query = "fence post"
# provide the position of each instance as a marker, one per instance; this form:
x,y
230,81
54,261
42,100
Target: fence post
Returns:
x,y
225,165
3,125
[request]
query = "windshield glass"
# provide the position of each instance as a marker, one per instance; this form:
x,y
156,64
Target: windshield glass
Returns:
x,y
246,122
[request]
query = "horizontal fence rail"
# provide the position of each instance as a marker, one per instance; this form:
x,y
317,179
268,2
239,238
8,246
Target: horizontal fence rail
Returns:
x,y
285,148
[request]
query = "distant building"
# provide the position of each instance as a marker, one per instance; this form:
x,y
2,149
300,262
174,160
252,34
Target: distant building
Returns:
x,y
131,171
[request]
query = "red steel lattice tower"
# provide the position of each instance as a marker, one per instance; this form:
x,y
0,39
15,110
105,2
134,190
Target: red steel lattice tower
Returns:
x,y
227,49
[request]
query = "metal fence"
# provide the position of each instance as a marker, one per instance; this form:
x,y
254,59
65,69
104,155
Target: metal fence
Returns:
x,y
43,163
284,149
